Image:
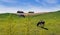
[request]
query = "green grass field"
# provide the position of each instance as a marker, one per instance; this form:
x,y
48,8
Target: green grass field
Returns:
x,y
12,24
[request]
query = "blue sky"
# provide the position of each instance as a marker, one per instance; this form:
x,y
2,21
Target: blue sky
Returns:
x,y
11,6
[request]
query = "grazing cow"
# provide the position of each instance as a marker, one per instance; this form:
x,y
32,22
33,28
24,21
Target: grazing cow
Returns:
x,y
22,16
41,24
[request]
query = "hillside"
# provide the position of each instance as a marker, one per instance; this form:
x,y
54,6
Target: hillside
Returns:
x,y
12,24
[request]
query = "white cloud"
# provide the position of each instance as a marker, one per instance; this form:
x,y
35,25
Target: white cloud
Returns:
x,y
41,9
48,4
4,9
29,7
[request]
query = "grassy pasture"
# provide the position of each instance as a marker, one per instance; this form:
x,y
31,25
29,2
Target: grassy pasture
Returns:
x,y
12,24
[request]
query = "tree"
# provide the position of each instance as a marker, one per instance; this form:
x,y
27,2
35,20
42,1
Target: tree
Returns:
x,y
30,12
20,12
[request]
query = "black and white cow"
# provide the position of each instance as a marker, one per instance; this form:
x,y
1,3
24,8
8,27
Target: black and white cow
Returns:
x,y
41,24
